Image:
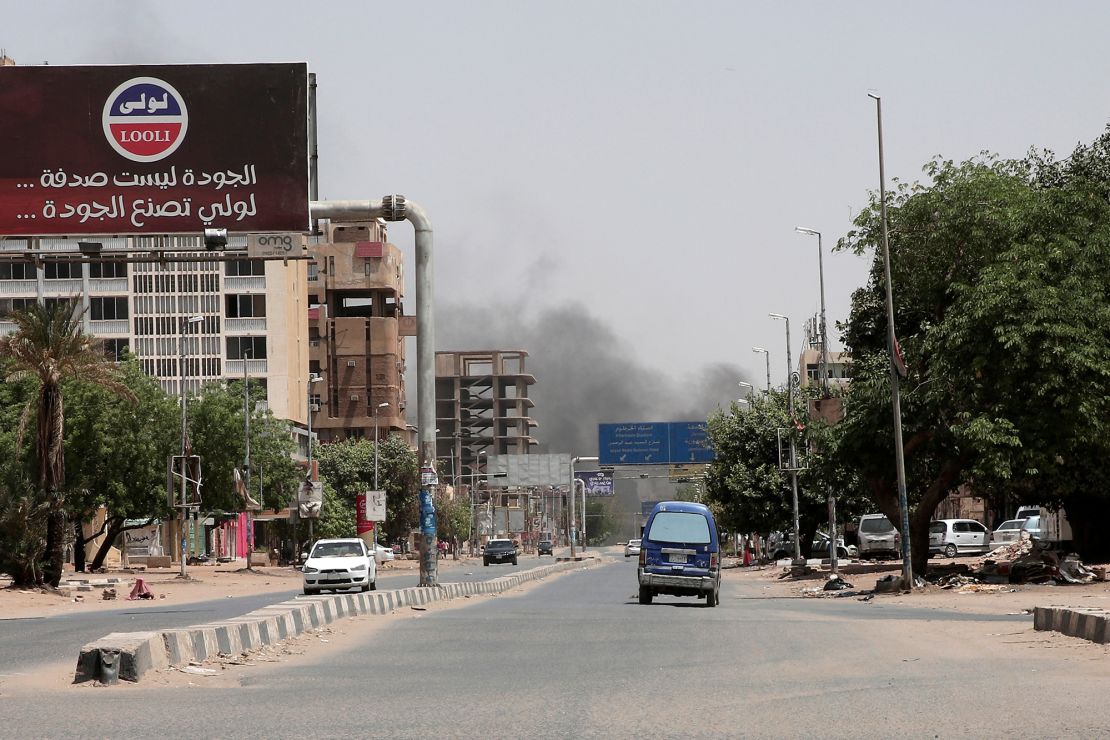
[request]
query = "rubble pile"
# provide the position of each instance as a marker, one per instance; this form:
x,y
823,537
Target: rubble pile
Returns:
x,y
1032,561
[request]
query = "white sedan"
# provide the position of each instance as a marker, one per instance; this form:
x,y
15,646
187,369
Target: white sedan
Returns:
x,y
339,564
383,554
632,548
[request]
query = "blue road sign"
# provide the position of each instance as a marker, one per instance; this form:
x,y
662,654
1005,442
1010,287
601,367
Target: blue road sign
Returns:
x,y
654,443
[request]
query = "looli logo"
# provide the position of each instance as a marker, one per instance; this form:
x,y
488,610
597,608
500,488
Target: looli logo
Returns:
x,y
145,119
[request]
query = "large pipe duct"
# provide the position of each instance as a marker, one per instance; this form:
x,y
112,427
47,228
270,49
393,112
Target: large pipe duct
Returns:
x,y
396,208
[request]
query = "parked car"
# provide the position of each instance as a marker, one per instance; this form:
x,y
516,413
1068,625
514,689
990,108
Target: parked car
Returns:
x,y
499,551
544,547
877,536
958,536
632,547
339,564
820,547
1007,532
680,553
383,554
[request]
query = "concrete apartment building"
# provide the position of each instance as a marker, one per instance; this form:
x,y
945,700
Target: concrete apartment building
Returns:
x,y
482,408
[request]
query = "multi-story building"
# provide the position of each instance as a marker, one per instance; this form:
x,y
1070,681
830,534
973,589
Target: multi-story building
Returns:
x,y
356,331
482,408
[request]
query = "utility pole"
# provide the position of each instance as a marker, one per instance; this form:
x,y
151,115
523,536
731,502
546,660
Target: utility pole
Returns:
x,y
895,396
793,449
247,456
183,517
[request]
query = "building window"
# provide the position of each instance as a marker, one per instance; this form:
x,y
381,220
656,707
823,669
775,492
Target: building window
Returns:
x,y
107,308
17,271
239,347
11,305
108,270
115,349
244,268
313,367
246,306
313,271
62,270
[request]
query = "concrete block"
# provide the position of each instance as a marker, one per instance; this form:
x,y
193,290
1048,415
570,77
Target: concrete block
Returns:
x,y
139,652
178,646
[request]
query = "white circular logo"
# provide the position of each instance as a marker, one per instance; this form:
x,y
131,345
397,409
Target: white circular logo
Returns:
x,y
145,119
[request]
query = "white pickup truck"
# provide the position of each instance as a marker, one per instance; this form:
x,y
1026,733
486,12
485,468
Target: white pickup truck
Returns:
x,y
1045,524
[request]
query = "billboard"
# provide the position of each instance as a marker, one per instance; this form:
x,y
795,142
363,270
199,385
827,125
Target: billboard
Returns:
x,y
654,443
598,483
154,149
529,470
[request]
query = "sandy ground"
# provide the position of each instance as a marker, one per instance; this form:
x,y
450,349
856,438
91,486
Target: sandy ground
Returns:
x,y
766,582
205,582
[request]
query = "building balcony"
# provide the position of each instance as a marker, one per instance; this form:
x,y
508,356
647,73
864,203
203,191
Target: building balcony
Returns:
x,y
110,326
108,285
19,287
235,283
234,368
237,326
62,287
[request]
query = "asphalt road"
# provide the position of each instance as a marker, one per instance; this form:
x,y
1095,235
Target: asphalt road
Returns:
x,y
576,656
27,642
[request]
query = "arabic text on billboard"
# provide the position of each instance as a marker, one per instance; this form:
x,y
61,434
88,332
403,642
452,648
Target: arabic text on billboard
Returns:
x,y
153,149
598,483
654,443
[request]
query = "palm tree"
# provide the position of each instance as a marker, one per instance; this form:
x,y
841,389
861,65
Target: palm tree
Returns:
x,y
50,346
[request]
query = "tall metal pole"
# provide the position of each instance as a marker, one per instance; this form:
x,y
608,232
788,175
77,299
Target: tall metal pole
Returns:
x,y
824,367
767,358
896,401
793,449
184,435
308,474
247,456
571,519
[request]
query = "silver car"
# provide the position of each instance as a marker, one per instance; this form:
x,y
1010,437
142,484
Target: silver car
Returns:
x,y
1007,532
632,548
877,536
958,536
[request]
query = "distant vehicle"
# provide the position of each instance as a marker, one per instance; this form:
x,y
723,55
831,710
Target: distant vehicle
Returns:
x,y
383,554
632,547
1007,532
544,547
339,564
958,536
680,553
499,551
1050,526
877,536
820,547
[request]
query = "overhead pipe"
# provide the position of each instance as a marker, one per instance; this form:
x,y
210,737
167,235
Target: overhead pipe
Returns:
x,y
396,208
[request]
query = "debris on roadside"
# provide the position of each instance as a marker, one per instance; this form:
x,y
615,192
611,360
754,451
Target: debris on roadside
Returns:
x,y
836,583
889,584
1032,561
108,594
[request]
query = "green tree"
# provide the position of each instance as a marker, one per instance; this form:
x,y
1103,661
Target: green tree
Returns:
x,y
349,467
117,453
1001,312
452,519
216,432
600,522
48,347
337,516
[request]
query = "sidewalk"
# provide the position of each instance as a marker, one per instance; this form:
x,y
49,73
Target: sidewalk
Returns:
x,y
205,582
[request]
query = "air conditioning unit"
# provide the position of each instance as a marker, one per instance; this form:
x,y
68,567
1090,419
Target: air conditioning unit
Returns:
x,y
351,363
315,407
354,396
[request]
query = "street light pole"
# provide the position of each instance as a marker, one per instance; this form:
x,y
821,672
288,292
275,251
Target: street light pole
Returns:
x,y
381,405
247,456
474,501
793,450
824,330
312,380
896,401
767,357
184,434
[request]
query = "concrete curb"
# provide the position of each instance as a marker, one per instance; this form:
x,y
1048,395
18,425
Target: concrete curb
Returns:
x,y
1086,623
130,655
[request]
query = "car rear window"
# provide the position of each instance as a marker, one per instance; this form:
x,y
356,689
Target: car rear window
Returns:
x,y
880,524
679,526
1012,524
937,528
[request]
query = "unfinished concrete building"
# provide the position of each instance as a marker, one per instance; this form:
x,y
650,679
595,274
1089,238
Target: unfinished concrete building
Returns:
x,y
356,330
482,408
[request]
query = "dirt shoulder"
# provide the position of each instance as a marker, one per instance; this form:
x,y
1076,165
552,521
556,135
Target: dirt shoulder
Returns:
x,y
766,582
205,582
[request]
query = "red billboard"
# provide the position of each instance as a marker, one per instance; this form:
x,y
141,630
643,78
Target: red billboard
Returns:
x,y
153,149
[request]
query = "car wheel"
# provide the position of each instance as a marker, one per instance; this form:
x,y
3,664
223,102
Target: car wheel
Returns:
x,y
485,563
950,550
310,591
364,588
645,595
711,598
514,561
374,585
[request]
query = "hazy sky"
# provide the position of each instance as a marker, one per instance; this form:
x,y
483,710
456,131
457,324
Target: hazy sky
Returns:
x,y
639,165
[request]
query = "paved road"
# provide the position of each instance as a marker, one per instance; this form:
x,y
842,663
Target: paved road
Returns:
x,y
576,656
27,642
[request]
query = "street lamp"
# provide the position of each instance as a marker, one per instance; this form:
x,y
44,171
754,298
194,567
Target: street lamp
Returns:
x,y
247,443
313,378
184,326
895,397
824,330
474,500
749,386
790,421
767,357
381,405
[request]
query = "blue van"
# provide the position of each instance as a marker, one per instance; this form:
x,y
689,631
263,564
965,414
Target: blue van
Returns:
x,y
680,554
